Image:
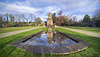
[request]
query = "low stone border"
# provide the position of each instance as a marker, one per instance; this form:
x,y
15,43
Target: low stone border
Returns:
x,y
24,39
79,46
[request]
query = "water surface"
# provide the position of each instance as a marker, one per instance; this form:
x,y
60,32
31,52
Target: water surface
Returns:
x,y
50,39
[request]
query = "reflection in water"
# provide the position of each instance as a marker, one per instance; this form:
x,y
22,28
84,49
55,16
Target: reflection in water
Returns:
x,y
50,39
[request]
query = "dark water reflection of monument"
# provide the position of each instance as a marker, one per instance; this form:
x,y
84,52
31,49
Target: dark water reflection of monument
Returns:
x,y
50,39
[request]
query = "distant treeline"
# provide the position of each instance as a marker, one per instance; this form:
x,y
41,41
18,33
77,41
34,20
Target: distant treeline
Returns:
x,y
69,20
10,20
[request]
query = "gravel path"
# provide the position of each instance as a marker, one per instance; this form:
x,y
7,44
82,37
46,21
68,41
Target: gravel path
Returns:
x,y
84,32
16,32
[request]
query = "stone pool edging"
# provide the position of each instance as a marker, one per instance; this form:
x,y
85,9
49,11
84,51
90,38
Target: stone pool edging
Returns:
x,y
16,43
81,45
63,50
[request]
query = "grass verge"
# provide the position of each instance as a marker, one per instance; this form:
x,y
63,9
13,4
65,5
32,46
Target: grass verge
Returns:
x,y
10,29
90,29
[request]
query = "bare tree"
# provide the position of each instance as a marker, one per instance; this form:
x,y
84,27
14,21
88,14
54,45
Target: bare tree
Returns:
x,y
22,16
19,17
60,12
69,17
27,20
74,19
96,18
0,21
12,18
16,17
97,13
31,17
6,17
38,19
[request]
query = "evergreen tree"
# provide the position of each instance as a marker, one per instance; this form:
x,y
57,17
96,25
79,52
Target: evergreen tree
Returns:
x,y
86,19
54,17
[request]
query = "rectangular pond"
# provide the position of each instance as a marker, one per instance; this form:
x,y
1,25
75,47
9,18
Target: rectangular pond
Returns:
x,y
50,39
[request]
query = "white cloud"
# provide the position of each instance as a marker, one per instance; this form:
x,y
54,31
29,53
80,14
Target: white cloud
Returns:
x,y
52,9
22,9
43,7
11,8
25,3
80,17
44,18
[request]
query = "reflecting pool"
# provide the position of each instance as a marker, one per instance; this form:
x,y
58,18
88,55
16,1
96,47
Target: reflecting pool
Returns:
x,y
50,39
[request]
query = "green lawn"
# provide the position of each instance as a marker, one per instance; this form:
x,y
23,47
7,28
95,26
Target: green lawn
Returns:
x,y
7,50
90,29
10,29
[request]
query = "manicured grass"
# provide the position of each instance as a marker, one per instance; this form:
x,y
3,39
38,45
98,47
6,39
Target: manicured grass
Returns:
x,y
90,29
7,50
91,51
10,29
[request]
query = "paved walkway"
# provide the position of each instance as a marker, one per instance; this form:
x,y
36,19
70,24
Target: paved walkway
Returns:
x,y
84,32
16,32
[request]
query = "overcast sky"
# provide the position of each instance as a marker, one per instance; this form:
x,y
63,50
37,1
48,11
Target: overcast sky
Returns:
x,y
41,8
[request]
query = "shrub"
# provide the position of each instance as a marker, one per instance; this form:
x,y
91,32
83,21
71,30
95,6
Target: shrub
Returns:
x,y
8,25
41,25
12,24
33,24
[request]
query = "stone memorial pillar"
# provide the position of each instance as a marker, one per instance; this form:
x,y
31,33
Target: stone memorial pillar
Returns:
x,y
49,20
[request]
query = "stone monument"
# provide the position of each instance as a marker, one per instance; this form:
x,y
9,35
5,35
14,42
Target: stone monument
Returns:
x,y
49,20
